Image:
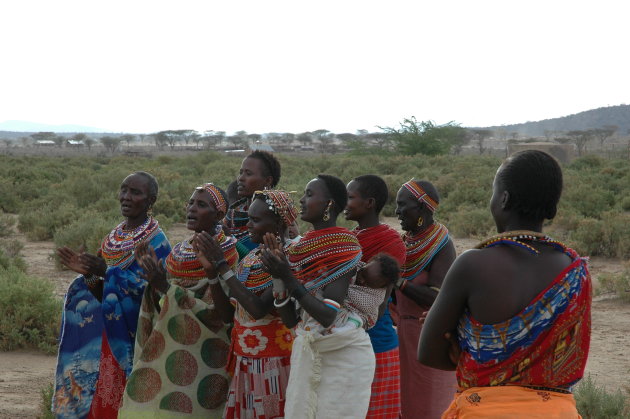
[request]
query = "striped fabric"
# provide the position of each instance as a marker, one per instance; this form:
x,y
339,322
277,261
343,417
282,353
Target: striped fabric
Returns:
x,y
385,398
258,388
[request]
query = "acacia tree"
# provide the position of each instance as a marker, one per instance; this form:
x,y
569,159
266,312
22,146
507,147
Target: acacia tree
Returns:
x,y
580,139
128,138
304,138
602,134
424,137
110,143
480,135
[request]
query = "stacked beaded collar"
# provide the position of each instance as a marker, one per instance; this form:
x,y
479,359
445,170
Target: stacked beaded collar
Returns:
x,y
420,194
251,273
322,256
517,238
236,219
280,203
421,248
182,262
118,246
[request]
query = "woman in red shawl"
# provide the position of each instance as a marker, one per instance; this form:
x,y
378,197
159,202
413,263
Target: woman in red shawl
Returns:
x,y
367,195
519,305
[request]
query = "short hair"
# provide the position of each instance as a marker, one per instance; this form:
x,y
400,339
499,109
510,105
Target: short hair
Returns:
x,y
271,165
389,267
337,190
533,180
372,186
232,192
151,180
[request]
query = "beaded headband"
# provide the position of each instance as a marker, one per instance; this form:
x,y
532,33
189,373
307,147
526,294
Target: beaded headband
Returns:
x,y
280,203
217,197
420,194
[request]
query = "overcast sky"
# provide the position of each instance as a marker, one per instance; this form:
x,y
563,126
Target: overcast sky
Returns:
x,y
294,66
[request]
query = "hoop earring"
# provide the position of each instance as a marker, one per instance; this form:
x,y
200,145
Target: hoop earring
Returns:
x,y
326,216
420,221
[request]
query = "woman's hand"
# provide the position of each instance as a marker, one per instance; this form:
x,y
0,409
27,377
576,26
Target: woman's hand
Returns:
x,y
208,252
95,264
154,271
71,260
273,258
454,351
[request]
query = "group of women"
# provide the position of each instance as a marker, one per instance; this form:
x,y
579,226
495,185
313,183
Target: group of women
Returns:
x,y
245,320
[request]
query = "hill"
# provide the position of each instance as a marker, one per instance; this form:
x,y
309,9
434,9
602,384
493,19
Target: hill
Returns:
x,y
595,118
17,129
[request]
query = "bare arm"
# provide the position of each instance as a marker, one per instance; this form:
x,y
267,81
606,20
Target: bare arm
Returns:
x,y
437,339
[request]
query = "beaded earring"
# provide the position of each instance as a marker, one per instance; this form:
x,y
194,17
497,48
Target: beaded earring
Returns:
x,y
326,216
420,221
150,211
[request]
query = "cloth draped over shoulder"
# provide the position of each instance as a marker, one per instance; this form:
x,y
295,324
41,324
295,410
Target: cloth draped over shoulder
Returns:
x,y
236,222
546,344
261,351
182,347
96,346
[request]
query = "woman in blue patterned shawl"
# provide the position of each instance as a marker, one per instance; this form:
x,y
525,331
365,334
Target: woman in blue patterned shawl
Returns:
x,y
101,307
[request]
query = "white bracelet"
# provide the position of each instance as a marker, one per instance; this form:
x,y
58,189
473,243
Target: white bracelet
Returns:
x,y
214,280
229,274
282,304
92,280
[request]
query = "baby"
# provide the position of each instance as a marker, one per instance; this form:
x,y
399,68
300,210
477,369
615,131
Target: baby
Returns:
x,y
372,283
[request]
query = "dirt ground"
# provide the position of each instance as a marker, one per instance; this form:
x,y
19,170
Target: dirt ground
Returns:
x,y
24,374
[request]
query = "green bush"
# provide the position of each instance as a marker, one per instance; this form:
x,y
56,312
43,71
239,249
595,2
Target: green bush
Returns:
x,y
618,284
6,225
594,402
30,314
45,411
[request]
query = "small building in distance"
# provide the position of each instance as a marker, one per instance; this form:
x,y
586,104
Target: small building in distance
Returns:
x,y
564,153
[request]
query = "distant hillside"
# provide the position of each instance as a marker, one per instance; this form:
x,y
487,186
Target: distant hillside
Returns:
x,y
595,118
25,128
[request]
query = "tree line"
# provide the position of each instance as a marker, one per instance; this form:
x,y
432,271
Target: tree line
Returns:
x,y
410,137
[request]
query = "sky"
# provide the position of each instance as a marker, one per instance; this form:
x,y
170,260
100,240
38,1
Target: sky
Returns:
x,y
293,66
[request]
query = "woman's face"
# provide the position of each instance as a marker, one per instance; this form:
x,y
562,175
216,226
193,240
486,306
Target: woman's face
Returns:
x,y
356,208
261,220
314,201
407,210
201,214
251,177
134,197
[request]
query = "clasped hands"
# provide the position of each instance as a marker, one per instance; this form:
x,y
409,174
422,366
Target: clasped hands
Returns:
x,y
275,262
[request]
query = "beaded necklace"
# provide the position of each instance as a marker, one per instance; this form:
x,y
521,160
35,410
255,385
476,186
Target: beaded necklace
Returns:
x,y
182,262
323,256
517,238
118,246
421,248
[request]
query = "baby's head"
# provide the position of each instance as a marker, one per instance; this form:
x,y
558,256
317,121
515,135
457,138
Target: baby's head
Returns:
x,y
380,272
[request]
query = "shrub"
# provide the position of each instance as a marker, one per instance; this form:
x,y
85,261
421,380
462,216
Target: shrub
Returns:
x,y
6,225
31,314
45,411
594,402
619,284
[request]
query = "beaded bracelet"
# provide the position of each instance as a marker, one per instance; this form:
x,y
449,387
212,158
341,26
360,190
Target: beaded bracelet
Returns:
x,y
229,274
299,292
282,304
332,304
92,280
